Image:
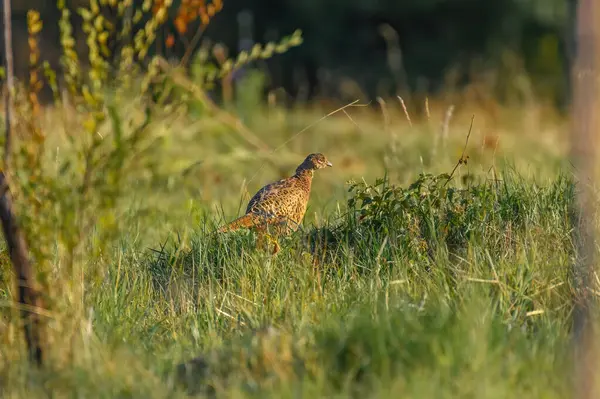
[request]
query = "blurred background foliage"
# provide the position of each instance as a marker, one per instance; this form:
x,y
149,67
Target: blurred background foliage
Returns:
x,y
513,49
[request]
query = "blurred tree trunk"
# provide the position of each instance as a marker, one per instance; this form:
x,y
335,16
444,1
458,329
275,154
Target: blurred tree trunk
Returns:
x,y
28,297
586,126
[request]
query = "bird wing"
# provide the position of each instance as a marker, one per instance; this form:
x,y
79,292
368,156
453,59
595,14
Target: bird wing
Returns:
x,y
274,200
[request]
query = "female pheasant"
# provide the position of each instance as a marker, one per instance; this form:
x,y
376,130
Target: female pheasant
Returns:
x,y
281,204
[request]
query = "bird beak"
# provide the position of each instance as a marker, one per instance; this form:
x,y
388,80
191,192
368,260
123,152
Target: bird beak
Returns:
x,y
329,164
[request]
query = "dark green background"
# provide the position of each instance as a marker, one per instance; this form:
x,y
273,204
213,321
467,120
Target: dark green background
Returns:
x,y
343,40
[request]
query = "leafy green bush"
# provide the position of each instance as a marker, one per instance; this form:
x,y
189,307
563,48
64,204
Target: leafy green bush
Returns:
x,y
430,212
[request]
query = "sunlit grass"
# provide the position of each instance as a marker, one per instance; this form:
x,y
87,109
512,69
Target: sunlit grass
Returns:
x,y
384,309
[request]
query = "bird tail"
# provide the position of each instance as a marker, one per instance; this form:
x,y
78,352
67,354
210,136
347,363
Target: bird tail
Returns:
x,y
245,221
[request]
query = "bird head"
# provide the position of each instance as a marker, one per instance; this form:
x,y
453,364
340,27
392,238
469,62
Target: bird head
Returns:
x,y
315,161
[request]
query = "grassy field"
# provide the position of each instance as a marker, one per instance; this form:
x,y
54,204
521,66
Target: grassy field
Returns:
x,y
390,289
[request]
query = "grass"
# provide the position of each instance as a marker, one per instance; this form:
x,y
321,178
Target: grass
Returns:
x,y
407,290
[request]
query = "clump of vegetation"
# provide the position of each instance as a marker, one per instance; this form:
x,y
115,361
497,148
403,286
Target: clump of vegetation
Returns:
x,y
430,214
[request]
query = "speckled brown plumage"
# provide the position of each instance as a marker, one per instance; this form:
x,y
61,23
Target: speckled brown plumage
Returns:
x,y
281,204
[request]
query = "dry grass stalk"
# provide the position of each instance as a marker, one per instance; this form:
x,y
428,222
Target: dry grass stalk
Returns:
x,y
405,111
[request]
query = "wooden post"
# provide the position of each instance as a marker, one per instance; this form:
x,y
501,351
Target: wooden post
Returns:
x,y
28,298
586,127
9,67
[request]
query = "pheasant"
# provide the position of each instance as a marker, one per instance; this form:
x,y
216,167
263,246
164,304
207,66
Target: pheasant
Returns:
x,y
281,204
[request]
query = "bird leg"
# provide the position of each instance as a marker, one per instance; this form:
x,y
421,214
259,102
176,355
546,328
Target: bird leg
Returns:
x,y
264,238
276,246
272,238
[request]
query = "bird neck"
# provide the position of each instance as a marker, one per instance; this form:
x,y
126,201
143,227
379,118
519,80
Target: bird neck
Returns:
x,y
304,175
304,172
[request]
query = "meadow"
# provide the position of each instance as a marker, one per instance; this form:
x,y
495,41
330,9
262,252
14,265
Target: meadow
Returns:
x,y
433,261
400,283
